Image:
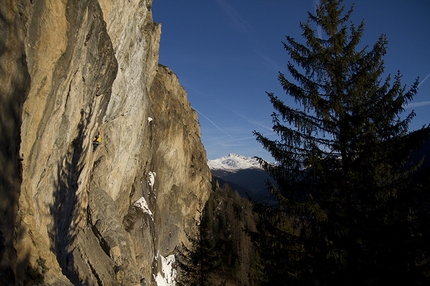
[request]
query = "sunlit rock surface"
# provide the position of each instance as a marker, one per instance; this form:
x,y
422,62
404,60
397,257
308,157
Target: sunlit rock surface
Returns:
x,y
73,214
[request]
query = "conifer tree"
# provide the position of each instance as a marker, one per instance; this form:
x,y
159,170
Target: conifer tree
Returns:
x,y
357,208
197,262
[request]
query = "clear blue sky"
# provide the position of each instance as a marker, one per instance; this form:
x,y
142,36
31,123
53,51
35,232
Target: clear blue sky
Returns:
x,y
227,54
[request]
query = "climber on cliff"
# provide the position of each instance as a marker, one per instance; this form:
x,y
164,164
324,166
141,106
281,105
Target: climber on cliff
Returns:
x,y
96,141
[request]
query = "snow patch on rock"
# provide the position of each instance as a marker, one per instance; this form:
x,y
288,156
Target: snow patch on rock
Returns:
x,y
151,179
168,275
142,204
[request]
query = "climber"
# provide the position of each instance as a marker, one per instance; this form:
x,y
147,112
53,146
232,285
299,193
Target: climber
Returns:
x,y
96,141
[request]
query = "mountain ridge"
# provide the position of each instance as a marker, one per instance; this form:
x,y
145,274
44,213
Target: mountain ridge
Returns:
x,y
233,162
244,175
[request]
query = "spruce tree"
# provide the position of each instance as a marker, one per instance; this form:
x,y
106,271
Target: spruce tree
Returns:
x,y
197,262
355,208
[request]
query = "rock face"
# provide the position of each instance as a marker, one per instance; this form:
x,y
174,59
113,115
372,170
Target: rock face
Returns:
x,y
74,214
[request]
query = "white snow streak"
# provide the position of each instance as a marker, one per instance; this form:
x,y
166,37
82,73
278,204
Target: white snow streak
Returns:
x,y
151,179
141,203
168,275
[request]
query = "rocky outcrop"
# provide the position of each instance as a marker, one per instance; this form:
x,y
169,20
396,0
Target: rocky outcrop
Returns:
x,y
73,214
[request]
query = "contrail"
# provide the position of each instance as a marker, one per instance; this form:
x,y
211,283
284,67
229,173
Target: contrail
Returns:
x,y
256,124
249,137
417,104
271,64
235,17
424,80
214,124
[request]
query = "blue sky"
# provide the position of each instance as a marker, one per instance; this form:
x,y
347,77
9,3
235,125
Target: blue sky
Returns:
x,y
227,54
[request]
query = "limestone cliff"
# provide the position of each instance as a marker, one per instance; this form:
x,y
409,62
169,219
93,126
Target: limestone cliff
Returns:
x,y
73,214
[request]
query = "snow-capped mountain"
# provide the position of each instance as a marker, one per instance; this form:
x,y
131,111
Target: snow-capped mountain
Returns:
x,y
244,175
233,162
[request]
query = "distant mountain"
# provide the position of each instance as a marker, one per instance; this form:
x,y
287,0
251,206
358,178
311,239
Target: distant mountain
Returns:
x,y
244,175
247,177
233,163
